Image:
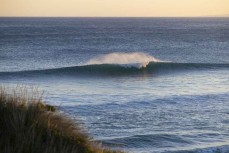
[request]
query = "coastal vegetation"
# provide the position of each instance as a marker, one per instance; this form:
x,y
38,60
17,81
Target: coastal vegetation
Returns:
x,y
28,125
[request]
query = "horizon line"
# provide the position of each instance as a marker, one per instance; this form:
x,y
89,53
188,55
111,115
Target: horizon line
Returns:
x,y
226,16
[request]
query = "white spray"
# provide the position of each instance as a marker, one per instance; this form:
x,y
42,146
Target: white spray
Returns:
x,y
136,59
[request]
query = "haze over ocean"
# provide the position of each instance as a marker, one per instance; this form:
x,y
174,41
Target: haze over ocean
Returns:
x,y
144,85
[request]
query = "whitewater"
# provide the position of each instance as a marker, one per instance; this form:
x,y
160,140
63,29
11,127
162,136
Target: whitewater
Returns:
x,y
136,59
142,85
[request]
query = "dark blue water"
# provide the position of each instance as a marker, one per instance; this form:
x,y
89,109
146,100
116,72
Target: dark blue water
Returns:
x,y
139,84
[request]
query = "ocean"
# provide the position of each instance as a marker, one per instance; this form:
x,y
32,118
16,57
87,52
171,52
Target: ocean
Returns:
x,y
142,85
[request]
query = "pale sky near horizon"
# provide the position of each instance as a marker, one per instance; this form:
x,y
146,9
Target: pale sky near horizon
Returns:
x,y
114,8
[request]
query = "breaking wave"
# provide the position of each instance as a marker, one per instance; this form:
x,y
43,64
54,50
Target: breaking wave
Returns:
x,y
123,69
136,59
119,64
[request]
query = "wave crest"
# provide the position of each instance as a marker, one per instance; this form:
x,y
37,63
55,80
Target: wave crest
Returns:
x,y
136,59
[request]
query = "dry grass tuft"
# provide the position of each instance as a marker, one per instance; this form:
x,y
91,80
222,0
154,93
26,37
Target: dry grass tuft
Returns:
x,y
27,125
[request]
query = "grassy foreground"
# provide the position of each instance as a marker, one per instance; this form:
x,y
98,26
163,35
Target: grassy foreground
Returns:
x,y
27,125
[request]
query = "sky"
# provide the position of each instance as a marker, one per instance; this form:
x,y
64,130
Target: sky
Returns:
x,y
114,8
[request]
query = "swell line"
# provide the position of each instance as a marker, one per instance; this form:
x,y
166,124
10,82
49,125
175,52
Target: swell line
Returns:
x,y
121,69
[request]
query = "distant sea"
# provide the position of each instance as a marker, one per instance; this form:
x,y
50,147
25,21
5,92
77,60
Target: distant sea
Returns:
x,y
143,85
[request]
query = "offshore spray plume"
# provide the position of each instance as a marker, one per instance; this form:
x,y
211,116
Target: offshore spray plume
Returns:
x,y
136,59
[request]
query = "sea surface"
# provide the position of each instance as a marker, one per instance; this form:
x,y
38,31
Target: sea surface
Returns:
x,y
143,85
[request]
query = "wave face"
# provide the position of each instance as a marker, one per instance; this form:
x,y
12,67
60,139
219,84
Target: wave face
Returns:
x,y
119,64
123,69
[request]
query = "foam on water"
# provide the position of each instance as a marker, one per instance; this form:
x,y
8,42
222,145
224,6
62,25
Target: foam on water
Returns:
x,y
136,59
